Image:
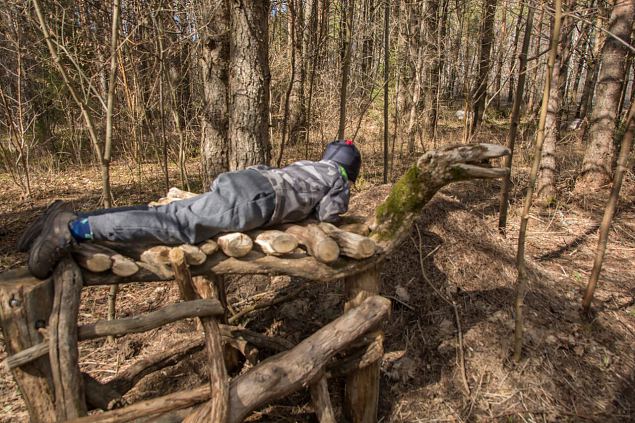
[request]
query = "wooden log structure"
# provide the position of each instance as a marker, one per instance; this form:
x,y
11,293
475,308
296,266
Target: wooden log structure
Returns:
x,y
53,389
25,306
63,351
274,242
317,243
218,404
275,377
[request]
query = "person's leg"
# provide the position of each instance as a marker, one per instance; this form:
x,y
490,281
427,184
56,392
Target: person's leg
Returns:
x,y
35,228
98,212
240,201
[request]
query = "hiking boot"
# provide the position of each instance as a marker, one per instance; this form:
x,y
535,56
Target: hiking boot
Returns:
x,y
35,228
52,244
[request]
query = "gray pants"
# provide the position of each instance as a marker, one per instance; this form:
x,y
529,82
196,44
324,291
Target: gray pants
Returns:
x,y
239,201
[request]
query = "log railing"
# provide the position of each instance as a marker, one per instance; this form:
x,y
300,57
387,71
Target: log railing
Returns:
x,y
61,392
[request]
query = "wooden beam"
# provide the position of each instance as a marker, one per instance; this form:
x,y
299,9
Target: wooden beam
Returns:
x,y
362,385
317,243
63,353
130,376
289,371
255,262
351,245
227,331
145,322
218,404
25,305
322,401
177,400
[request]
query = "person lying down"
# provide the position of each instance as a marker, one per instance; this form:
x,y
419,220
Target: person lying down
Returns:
x,y
238,201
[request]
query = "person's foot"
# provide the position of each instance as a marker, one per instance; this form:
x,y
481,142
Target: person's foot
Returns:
x,y
35,228
52,244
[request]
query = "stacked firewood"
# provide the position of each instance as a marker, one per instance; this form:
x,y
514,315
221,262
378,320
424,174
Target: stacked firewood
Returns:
x,y
323,241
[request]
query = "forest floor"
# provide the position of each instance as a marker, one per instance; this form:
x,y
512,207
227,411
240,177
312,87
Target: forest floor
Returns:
x,y
572,369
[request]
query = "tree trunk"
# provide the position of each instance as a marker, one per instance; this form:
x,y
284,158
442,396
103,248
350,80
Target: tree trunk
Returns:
x,y
214,62
345,56
584,106
487,37
514,121
599,155
609,211
510,85
432,70
249,84
522,277
297,110
546,189
416,50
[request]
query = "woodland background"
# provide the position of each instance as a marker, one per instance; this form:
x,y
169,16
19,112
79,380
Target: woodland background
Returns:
x,y
109,103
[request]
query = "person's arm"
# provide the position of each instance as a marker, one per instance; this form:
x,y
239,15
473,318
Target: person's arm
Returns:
x,y
334,203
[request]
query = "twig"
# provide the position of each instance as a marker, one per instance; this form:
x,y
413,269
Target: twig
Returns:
x,y
392,297
454,307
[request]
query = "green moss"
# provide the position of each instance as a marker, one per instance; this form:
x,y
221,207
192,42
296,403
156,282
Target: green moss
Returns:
x,y
405,197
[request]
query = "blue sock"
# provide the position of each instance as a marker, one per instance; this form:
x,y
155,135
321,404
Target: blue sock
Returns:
x,y
80,229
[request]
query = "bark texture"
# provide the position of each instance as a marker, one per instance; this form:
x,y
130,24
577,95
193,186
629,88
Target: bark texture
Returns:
x,y
214,62
249,81
487,39
599,155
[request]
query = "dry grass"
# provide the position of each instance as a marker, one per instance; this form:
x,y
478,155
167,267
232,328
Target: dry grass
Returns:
x,y
573,370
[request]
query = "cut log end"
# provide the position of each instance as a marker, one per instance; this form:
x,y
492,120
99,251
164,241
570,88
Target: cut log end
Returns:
x,y
276,242
235,244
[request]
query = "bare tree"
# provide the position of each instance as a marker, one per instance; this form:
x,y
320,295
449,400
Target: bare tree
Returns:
x,y
547,173
297,108
346,19
487,38
609,211
522,278
514,121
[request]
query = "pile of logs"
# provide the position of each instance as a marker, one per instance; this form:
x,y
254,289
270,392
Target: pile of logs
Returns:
x,y
323,241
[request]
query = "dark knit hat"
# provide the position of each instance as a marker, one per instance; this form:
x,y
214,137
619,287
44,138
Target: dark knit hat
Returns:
x,y
346,155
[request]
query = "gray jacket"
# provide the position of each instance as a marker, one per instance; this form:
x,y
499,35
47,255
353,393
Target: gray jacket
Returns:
x,y
307,187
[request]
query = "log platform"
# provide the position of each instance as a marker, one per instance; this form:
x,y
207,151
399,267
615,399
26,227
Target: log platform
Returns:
x,y
39,317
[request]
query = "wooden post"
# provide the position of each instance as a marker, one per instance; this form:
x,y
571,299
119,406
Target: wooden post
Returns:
x,y
219,403
25,305
362,385
322,401
63,352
